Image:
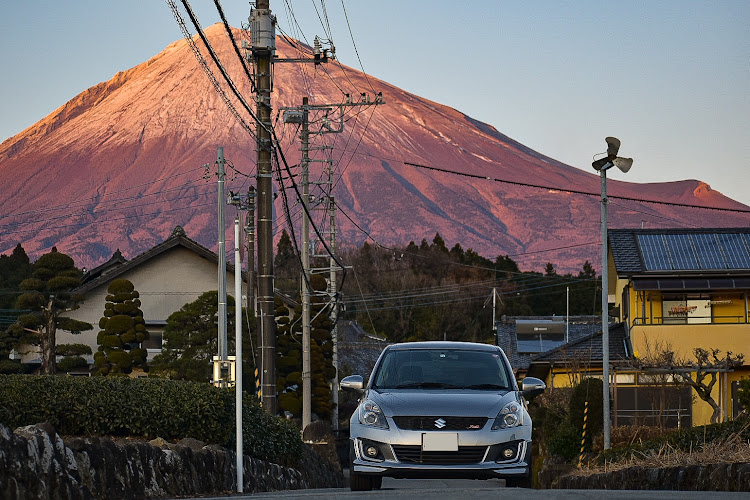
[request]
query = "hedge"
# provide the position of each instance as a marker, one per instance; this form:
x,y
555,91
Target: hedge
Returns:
x,y
147,408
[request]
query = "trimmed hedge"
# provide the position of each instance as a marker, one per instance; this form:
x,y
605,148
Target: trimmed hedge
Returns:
x,y
148,408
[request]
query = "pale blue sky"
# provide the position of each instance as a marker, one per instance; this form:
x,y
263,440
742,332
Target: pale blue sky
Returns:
x,y
671,79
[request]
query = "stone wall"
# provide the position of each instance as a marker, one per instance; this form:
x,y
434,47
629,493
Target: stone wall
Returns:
x,y
35,462
710,477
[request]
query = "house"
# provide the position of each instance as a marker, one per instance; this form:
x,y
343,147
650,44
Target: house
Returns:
x,y
168,276
681,289
669,290
522,338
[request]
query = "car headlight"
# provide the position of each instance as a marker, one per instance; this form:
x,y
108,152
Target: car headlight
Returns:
x,y
371,414
510,416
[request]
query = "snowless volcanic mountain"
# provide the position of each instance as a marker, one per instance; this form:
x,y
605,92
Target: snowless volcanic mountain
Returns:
x,y
121,164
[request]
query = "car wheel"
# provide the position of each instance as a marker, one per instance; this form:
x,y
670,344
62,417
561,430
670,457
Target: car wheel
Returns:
x,y
518,482
360,482
523,481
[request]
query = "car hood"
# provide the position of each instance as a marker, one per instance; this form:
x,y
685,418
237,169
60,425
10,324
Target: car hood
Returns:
x,y
440,403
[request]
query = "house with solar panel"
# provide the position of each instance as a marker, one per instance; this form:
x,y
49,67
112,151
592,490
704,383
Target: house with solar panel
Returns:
x,y
683,289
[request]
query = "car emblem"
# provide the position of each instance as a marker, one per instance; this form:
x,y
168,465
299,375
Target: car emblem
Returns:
x,y
440,423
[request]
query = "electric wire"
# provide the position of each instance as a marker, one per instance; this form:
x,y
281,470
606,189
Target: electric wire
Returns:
x,y
573,191
228,29
202,62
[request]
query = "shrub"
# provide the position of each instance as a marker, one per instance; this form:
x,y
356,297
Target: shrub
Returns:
x,y
590,389
566,442
686,440
147,408
71,363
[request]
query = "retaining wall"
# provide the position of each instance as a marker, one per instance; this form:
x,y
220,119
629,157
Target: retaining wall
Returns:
x,y
35,462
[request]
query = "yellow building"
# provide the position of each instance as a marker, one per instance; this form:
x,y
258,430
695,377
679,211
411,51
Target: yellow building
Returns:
x,y
682,289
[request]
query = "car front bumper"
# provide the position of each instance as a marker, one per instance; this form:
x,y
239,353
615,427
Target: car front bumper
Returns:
x,y
480,454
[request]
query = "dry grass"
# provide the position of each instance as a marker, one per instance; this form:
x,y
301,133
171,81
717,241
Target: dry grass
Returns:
x,y
732,450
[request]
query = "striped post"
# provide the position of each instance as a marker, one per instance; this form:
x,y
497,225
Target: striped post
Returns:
x,y
257,387
583,436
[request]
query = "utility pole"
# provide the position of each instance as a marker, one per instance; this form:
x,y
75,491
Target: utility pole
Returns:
x,y
263,41
306,379
221,366
238,354
333,290
222,262
301,115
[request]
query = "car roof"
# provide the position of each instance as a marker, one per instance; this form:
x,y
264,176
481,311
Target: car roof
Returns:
x,y
471,346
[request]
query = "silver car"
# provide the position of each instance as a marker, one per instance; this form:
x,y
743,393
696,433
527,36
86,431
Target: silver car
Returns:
x,y
441,410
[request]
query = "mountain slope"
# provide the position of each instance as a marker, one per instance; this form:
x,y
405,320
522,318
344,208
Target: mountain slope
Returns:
x,y
121,164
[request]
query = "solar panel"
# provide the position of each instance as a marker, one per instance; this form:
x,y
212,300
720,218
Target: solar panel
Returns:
x,y
681,251
666,252
709,252
735,250
654,252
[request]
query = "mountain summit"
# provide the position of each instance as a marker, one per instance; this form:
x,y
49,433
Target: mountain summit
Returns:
x,y
121,164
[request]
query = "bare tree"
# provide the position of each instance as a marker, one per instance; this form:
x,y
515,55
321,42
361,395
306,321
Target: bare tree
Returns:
x,y
700,374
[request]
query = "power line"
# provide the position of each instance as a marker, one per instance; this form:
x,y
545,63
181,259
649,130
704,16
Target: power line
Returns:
x,y
573,191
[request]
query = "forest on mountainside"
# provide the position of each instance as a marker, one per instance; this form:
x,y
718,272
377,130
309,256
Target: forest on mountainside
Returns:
x,y
427,291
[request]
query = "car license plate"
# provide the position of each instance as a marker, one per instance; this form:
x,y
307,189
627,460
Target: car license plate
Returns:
x,y
440,441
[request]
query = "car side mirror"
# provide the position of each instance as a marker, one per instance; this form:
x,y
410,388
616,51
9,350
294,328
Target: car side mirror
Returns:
x,y
352,383
532,386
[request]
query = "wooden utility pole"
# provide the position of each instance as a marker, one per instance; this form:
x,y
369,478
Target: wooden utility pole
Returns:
x,y
263,36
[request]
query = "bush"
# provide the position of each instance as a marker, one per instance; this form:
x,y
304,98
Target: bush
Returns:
x,y
71,363
743,395
566,442
122,406
591,390
685,439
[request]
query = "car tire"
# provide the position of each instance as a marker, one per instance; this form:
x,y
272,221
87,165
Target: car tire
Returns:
x,y
518,482
522,481
360,482
377,482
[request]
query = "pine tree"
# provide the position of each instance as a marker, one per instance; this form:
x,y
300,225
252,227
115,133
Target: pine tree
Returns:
x,y
47,295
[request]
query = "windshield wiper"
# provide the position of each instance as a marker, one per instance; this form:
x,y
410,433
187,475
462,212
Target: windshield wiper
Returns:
x,y
427,385
485,386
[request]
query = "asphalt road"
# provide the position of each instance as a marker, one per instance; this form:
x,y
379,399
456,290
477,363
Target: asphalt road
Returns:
x,y
460,489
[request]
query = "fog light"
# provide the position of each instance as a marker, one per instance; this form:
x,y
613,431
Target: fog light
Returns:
x,y
508,453
371,451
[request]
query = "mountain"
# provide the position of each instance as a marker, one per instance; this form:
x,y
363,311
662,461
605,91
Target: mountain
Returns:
x,y
121,164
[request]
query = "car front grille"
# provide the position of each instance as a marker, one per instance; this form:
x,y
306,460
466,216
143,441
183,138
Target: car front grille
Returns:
x,y
448,423
464,455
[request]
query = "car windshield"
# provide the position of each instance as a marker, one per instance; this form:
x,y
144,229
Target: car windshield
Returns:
x,y
442,369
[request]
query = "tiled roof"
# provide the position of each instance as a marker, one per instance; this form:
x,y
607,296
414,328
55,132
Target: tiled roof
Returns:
x,y
118,265
358,350
589,348
580,327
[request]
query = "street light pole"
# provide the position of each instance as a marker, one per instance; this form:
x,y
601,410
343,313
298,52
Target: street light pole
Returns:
x,y
605,312
602,165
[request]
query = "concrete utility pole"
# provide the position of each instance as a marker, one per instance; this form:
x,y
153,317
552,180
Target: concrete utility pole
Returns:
x,y
222,354
238,354
306,379
301,115
333,290
263,41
